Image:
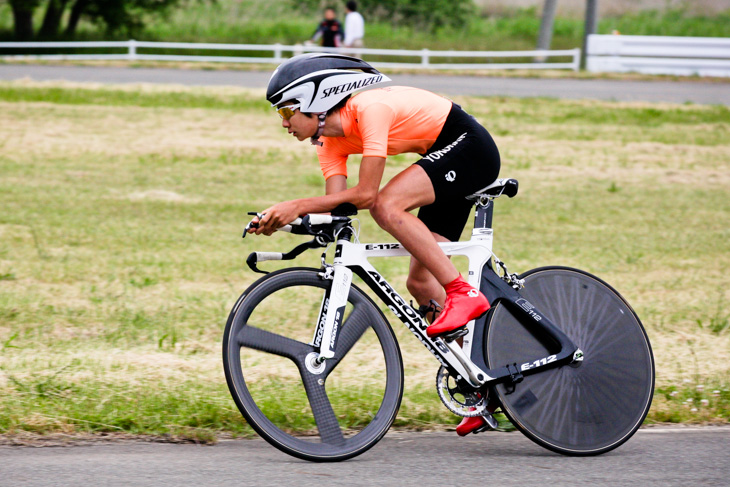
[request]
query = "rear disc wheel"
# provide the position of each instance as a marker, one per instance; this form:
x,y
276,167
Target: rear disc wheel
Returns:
x,y
584,410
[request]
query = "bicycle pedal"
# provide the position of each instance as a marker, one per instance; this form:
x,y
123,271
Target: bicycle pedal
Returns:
x,y
458,333
491,424
484,428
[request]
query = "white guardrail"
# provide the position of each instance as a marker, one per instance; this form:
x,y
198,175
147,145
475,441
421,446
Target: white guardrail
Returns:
x,y
425,56
683,56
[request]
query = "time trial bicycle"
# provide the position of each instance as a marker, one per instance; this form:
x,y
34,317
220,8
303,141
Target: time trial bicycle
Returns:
x,y
560,352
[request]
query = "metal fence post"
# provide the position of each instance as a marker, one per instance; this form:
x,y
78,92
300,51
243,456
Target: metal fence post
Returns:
x,y
545,36
424,57
591,27
132,53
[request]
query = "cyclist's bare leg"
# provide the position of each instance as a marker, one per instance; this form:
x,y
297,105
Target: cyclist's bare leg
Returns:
x,y
411,189
408,190
422,285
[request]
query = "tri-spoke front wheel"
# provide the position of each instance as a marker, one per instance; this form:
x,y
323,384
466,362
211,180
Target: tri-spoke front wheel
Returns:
x,y
326,412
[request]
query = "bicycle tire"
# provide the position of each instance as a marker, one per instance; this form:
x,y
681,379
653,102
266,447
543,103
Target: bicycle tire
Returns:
x,y
254,385
594,407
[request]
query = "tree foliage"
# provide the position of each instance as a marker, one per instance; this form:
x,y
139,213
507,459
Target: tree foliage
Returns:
x,y
423,14
115,15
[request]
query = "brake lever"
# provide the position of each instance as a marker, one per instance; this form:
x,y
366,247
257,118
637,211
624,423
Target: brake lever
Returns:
x,y
252,224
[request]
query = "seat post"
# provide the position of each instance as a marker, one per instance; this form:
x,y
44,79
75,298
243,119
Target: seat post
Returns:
x,y
483,222
483,213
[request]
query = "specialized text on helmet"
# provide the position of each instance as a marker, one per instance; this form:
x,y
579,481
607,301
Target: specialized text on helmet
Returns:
x,y
355,85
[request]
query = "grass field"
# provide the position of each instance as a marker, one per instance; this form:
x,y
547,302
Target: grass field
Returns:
x,y
120,249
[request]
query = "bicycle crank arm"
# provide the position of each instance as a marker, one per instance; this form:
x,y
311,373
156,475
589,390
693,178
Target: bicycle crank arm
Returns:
x,y
475,376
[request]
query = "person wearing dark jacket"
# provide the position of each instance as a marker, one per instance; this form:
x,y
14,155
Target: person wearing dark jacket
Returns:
x,y
329,31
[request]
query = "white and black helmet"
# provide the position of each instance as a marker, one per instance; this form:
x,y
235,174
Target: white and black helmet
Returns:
x,y
318,81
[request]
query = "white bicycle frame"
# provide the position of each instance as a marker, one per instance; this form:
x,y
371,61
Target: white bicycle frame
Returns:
x,y
354,256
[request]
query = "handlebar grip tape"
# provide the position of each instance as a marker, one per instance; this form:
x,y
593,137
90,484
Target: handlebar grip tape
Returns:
x,y
316,219
262,256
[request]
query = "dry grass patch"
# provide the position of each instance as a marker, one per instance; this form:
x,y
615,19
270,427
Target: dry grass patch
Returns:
x,y
44,130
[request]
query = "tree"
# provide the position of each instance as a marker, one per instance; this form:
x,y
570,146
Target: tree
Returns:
x,y
114,14
52,19
77,10
23,18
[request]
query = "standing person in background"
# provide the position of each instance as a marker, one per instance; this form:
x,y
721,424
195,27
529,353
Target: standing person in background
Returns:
x,y
329,30
354,26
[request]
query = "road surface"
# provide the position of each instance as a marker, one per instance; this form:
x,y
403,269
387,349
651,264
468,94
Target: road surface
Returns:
x,y
716,93
678,456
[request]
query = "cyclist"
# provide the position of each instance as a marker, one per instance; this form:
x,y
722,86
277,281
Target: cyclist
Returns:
x,y
315,96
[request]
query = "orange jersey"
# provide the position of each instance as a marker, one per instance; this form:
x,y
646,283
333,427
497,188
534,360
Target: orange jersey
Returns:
x,y
383,122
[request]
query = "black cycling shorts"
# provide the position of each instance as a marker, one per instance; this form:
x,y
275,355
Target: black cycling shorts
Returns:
x,y
462,160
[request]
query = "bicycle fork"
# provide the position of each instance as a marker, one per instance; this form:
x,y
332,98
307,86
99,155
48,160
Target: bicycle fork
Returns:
x,y
332,310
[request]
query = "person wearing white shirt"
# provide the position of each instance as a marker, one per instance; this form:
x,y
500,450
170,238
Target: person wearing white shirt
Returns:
x,y
354,26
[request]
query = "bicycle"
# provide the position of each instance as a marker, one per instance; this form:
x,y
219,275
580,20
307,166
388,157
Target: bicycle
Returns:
x,y
564,356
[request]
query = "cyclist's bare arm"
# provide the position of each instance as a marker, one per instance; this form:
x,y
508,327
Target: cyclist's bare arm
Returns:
x,y
362,195
335,184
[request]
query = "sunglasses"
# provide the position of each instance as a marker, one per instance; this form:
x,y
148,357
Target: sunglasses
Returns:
x,y
287,111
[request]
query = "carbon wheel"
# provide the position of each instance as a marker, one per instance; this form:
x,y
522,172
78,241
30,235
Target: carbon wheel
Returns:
x,y
584,410
319,413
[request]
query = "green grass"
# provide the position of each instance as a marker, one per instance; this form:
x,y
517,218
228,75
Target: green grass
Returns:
x,y
120,249
692,401
669,22
517,29
68,96
53,401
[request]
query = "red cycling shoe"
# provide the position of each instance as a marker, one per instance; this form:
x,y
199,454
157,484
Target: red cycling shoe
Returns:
x,y
468,425
463,304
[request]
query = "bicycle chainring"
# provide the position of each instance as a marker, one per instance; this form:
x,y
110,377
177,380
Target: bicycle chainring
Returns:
x,y
459,400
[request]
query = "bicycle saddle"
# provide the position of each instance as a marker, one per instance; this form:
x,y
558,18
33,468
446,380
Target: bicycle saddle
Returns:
x,y
506,186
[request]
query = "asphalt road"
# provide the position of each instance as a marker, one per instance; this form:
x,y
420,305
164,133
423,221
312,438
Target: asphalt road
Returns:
x,y
653,457
716,93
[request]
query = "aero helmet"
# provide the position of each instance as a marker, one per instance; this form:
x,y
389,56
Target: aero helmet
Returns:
x,y
319,81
